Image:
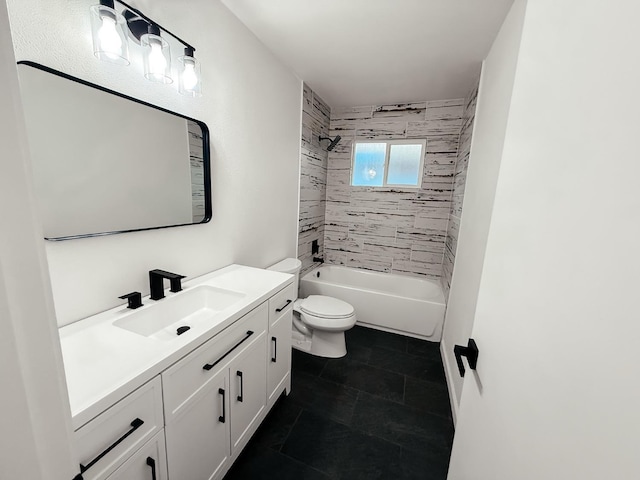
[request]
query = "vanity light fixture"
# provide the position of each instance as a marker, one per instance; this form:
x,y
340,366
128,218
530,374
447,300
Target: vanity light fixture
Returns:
x,y
109,40
189,82
110,44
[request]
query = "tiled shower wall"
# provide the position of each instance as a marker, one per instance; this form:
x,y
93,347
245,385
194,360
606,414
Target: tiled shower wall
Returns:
x,y
313,177
460,178
392,229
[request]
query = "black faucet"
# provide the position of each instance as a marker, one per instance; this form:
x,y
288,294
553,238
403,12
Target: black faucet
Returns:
x,y
156,282
318,259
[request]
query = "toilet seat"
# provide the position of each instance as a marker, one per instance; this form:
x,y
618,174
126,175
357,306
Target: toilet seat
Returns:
x,y
328,324
329,314
325,307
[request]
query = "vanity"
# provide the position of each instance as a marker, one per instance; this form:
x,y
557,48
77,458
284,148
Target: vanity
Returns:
x,y
150,403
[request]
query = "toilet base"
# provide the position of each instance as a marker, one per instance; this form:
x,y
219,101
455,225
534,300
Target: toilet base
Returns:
x,y
328,344
320,343
300,341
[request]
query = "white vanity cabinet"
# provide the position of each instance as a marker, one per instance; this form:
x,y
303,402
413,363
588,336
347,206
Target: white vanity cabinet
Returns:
x,y
215,398
279,351
148,407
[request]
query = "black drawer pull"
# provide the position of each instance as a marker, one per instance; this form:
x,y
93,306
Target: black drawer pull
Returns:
x,y
241,396
275,349
278,310
209,366
136,424
222,418
152,463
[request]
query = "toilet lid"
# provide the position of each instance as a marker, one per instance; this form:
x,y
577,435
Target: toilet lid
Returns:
x,y
327,307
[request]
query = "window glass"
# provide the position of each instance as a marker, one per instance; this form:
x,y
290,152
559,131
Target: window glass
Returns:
x,y
368,164
404,165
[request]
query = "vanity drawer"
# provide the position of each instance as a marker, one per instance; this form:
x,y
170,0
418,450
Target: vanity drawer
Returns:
x,y
104,443
281,302
186,377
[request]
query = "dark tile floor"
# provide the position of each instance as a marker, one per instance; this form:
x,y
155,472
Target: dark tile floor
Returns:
x,y
381,412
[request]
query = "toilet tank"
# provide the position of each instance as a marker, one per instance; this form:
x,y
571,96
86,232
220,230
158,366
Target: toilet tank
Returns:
x,y
289,265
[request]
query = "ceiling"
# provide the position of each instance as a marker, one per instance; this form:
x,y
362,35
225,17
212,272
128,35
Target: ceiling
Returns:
x,y
366,52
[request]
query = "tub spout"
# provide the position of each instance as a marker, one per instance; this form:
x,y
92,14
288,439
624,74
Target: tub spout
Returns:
x,y
318,259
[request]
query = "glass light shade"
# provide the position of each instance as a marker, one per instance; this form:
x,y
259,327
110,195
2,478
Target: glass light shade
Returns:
x,y
109,40
157,58
190,82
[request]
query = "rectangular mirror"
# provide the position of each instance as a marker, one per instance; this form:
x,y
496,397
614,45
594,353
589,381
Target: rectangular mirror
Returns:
x,y
107,163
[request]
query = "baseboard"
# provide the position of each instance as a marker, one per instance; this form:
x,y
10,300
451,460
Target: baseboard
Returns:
x,y
449,375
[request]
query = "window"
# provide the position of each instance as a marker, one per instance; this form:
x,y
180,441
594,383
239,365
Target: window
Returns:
x,y
393,163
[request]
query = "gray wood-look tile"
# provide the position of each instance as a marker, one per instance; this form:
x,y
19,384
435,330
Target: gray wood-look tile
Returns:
x,y
313,177
399,229
460,176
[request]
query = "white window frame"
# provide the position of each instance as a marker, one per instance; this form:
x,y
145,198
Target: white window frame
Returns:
x,y
415,141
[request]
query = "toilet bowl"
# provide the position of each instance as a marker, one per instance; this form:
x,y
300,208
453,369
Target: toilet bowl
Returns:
x,y
319,321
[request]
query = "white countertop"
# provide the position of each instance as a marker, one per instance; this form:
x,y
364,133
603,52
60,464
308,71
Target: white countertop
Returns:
x,y
103,363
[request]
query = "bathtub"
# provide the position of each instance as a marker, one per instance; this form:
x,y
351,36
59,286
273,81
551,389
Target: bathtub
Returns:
x,y
394,303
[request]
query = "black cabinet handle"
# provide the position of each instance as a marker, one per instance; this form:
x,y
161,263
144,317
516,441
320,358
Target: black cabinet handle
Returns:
x,y
275,349
152,463
209,366
241,396
278,310
470,351
222,418
134,299
135,424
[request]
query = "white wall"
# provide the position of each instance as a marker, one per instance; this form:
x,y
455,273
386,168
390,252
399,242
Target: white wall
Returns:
x,y
557,319
494,99
35,422
252,105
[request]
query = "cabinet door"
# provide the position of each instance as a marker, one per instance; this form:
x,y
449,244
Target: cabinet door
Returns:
x,y
247,376
148,463
198,437
278,356
183,380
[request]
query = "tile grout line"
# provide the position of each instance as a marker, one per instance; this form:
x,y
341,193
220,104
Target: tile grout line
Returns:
x,y
323,369
296,460
404,390
289,432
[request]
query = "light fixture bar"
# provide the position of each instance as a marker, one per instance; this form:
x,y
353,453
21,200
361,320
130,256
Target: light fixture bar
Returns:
x,y
153,22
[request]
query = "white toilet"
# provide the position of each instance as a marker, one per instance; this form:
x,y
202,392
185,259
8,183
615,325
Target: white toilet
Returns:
x,y
319,322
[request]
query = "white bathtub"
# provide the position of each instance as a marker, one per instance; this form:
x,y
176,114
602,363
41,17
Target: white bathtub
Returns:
x,y
394,303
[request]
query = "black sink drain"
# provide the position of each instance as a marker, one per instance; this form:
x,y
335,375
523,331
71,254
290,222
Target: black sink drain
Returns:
x,y
181,330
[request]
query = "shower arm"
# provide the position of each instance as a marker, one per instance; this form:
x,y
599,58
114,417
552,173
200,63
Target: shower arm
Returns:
x,y
334,141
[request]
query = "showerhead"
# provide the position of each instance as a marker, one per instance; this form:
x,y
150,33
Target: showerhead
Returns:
x,y
333,143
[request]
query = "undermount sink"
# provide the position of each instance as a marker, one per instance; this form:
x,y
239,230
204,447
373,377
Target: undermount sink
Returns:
x,y
190,308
